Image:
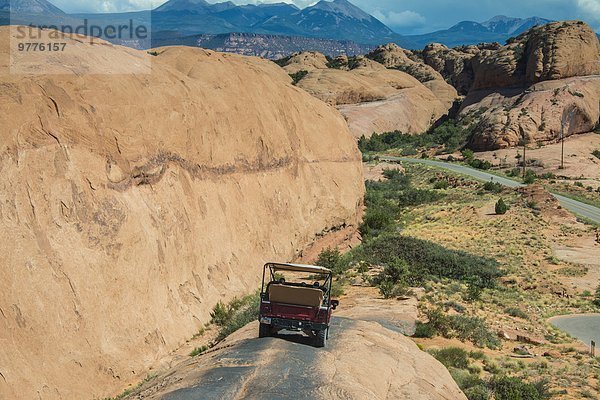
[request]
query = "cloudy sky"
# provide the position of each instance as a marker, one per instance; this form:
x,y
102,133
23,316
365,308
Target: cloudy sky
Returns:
x,y
404,16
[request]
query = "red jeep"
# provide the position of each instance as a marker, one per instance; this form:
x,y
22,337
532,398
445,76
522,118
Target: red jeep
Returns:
x,y
296,298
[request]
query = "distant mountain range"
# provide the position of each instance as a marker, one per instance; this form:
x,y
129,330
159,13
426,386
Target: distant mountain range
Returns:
x,y
187,21
272,47
497,29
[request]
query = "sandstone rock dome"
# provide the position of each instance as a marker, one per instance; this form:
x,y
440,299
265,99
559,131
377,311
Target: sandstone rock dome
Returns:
x,y
131,204
373,98
545,80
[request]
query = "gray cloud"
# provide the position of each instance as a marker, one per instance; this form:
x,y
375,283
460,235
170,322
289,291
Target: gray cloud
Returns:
x,y
406,16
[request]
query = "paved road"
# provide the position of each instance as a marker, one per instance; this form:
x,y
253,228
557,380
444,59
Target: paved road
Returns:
x,y
581,209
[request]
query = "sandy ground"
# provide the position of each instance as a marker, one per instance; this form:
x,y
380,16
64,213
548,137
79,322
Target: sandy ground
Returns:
x,y
584,251
579,161
374,172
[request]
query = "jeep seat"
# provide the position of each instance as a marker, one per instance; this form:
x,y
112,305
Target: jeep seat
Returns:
x,y
300,296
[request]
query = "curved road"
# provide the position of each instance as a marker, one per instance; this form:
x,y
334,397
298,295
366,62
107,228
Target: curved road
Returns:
x,y
581,209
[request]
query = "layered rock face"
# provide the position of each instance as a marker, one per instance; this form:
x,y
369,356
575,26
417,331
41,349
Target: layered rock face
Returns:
x,y
131,204
544,82
393,56
455,65
373,98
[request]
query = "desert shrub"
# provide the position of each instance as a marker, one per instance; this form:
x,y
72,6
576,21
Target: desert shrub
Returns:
x,y
512,388
462,327
337,288
298,76
199,350
494,187
530,177
514,172
220,314
329,258
451,134
427,259
474,330
452,357
468,154
385,200
415,197
390,290
596,300
282,62
441,185
501,207
516,312
424,330
235,315
477,392
375,222
392,280
480,164
532,204
579,184
547,176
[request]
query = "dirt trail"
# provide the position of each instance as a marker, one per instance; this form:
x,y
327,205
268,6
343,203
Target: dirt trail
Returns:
x,y
363,359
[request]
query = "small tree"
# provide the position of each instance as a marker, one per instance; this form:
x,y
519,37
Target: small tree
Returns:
x,y
501,207
329,258
596,300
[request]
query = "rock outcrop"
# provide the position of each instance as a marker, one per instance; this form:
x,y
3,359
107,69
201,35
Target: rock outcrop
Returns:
x,y
393,56
542,83
131,204
455,65
363,360
373,98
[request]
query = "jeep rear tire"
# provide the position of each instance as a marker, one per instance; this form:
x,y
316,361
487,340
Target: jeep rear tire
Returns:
x,y
321,338
264,330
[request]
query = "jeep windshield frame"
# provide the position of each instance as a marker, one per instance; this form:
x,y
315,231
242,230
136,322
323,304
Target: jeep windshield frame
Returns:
x,y
309,269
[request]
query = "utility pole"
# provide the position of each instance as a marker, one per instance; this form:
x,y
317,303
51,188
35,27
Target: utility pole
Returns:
x,y
524,139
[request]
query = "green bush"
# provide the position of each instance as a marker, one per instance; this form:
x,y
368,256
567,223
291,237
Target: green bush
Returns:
x,y
199,350
530,177
389,290
514,172
468,154
452,357
424,330
516,312
337,288
494,187
385,200
474,330
375,222
298,76
462,327
511,388
501,207
441,185
426,259
596,300
237,314
480,164
329,258
451,134
416,197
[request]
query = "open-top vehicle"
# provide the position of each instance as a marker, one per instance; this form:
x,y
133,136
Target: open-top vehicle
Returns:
x,y
296,297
